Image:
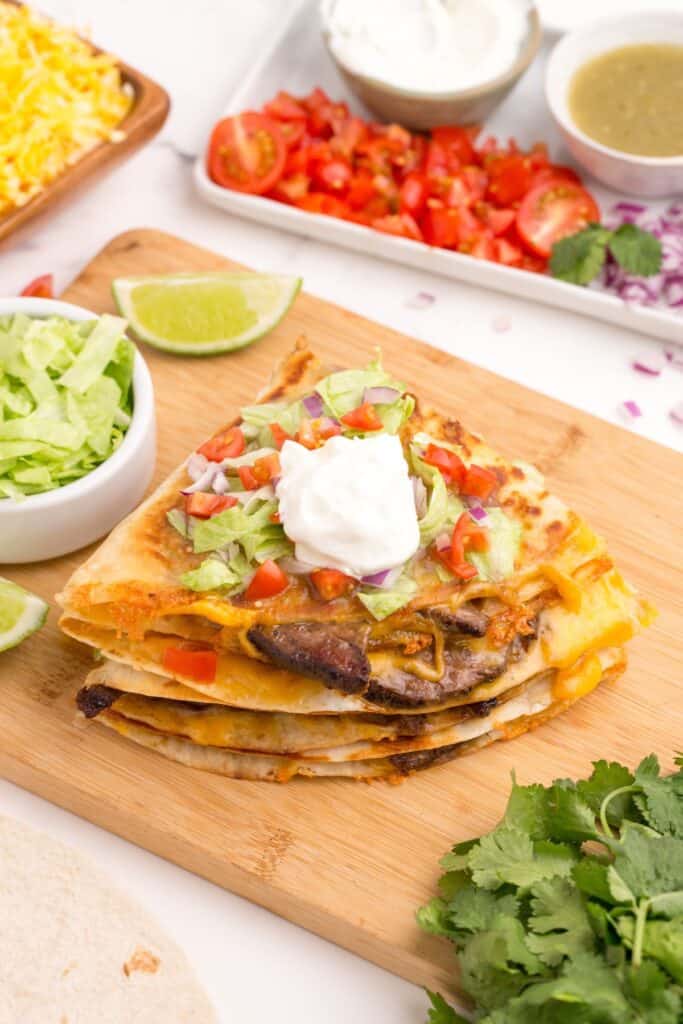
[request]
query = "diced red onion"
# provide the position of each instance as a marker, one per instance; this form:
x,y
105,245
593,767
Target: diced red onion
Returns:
x,y
376,579
629,211
442,542
676,414
672,252
479,513
630,410
673,290
221,484
651,363
380,396
384,578
204,482
674,356
639,291
328,423
195,465
313,404
421,301
674,214
420,495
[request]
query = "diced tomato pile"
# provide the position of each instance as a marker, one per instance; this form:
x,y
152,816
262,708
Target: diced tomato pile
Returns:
x,y
445,188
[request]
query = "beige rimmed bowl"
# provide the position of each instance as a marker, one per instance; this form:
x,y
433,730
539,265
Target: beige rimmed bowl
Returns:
x,y
630,173
422,111
67,518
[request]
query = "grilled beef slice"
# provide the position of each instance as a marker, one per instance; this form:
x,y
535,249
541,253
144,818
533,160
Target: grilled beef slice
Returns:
x,y
91,700
466,619
334,654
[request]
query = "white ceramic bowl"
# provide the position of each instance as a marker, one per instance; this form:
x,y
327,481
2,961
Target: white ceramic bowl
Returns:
x,y
56,522
635,175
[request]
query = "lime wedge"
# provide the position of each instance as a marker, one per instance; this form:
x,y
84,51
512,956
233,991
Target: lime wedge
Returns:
x,y
21,614
201,314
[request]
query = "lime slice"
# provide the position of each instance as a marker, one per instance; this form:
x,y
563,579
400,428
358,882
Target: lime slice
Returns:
x,y
201,314
21,614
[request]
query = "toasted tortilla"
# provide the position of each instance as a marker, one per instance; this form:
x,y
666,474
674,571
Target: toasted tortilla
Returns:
x,y
273,768
340,738
608,616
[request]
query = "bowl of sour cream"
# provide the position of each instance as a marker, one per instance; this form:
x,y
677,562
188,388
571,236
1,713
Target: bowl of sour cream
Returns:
x,y
423,63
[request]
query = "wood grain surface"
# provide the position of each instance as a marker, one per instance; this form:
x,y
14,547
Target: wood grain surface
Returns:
x,y
141,123
348,860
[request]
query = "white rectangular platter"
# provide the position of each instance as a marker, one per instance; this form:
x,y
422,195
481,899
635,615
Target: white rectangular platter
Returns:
x,y
297,60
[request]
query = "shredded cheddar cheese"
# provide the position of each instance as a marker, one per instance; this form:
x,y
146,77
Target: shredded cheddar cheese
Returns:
x,y
58,99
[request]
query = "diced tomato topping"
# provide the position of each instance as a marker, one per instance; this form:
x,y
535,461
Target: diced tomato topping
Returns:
x,y
448,187
224,446
479,482
330,583
279,435
466,535
249,480
267,581
414,191
199,665
266,468
40,287
363,418
275,518
206,505
285,108
401,224
451,465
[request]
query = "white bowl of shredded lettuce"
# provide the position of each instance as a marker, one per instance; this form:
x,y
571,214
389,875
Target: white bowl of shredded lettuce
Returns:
x,y
77,427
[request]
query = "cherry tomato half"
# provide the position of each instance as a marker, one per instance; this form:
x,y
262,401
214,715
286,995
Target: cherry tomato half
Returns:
x,y
247,153
40,287
553,210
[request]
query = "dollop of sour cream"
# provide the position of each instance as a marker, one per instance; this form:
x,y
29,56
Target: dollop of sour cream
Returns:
x,y
349,505
427,45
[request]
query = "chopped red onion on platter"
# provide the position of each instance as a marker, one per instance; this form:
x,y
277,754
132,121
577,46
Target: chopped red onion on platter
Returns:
x,y
673,289
674,356
313,404
380,395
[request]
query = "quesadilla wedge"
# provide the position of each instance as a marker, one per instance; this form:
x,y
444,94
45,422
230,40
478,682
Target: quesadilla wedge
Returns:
x,y
282,768
339,738
337,550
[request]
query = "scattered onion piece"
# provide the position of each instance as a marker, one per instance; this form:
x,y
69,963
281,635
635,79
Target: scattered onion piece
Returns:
x,y
650,363
630,410
479,513
674,356
421,301
380,396
676,414
664,289
500,324
313,404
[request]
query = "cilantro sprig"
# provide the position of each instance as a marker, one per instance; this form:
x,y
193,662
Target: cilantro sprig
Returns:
x,y
580,257
571,910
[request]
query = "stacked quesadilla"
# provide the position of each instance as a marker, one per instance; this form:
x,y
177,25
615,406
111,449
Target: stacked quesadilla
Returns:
x,y
342,583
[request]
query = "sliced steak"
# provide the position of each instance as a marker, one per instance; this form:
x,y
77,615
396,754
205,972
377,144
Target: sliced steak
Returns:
x,y
465,619
333,654
91,700
464,669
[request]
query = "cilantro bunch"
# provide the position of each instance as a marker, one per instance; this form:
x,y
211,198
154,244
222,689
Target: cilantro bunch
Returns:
x,y
571,910
580,258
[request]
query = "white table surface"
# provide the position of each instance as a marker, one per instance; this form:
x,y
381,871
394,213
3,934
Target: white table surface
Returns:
x,y
254,965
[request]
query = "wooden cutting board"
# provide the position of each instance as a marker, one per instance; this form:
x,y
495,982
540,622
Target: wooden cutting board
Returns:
x,y
349,861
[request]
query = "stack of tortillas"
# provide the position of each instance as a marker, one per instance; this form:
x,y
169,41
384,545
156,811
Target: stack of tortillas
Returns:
x,y
74,950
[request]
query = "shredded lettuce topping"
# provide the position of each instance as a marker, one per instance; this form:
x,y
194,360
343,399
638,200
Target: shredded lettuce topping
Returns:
x,y
65,399
239,539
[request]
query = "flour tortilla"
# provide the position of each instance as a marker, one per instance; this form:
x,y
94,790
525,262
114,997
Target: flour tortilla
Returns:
x,y
74,949
339,738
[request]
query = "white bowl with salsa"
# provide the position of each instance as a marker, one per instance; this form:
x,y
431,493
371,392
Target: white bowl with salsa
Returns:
x,y
613,87
65,518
